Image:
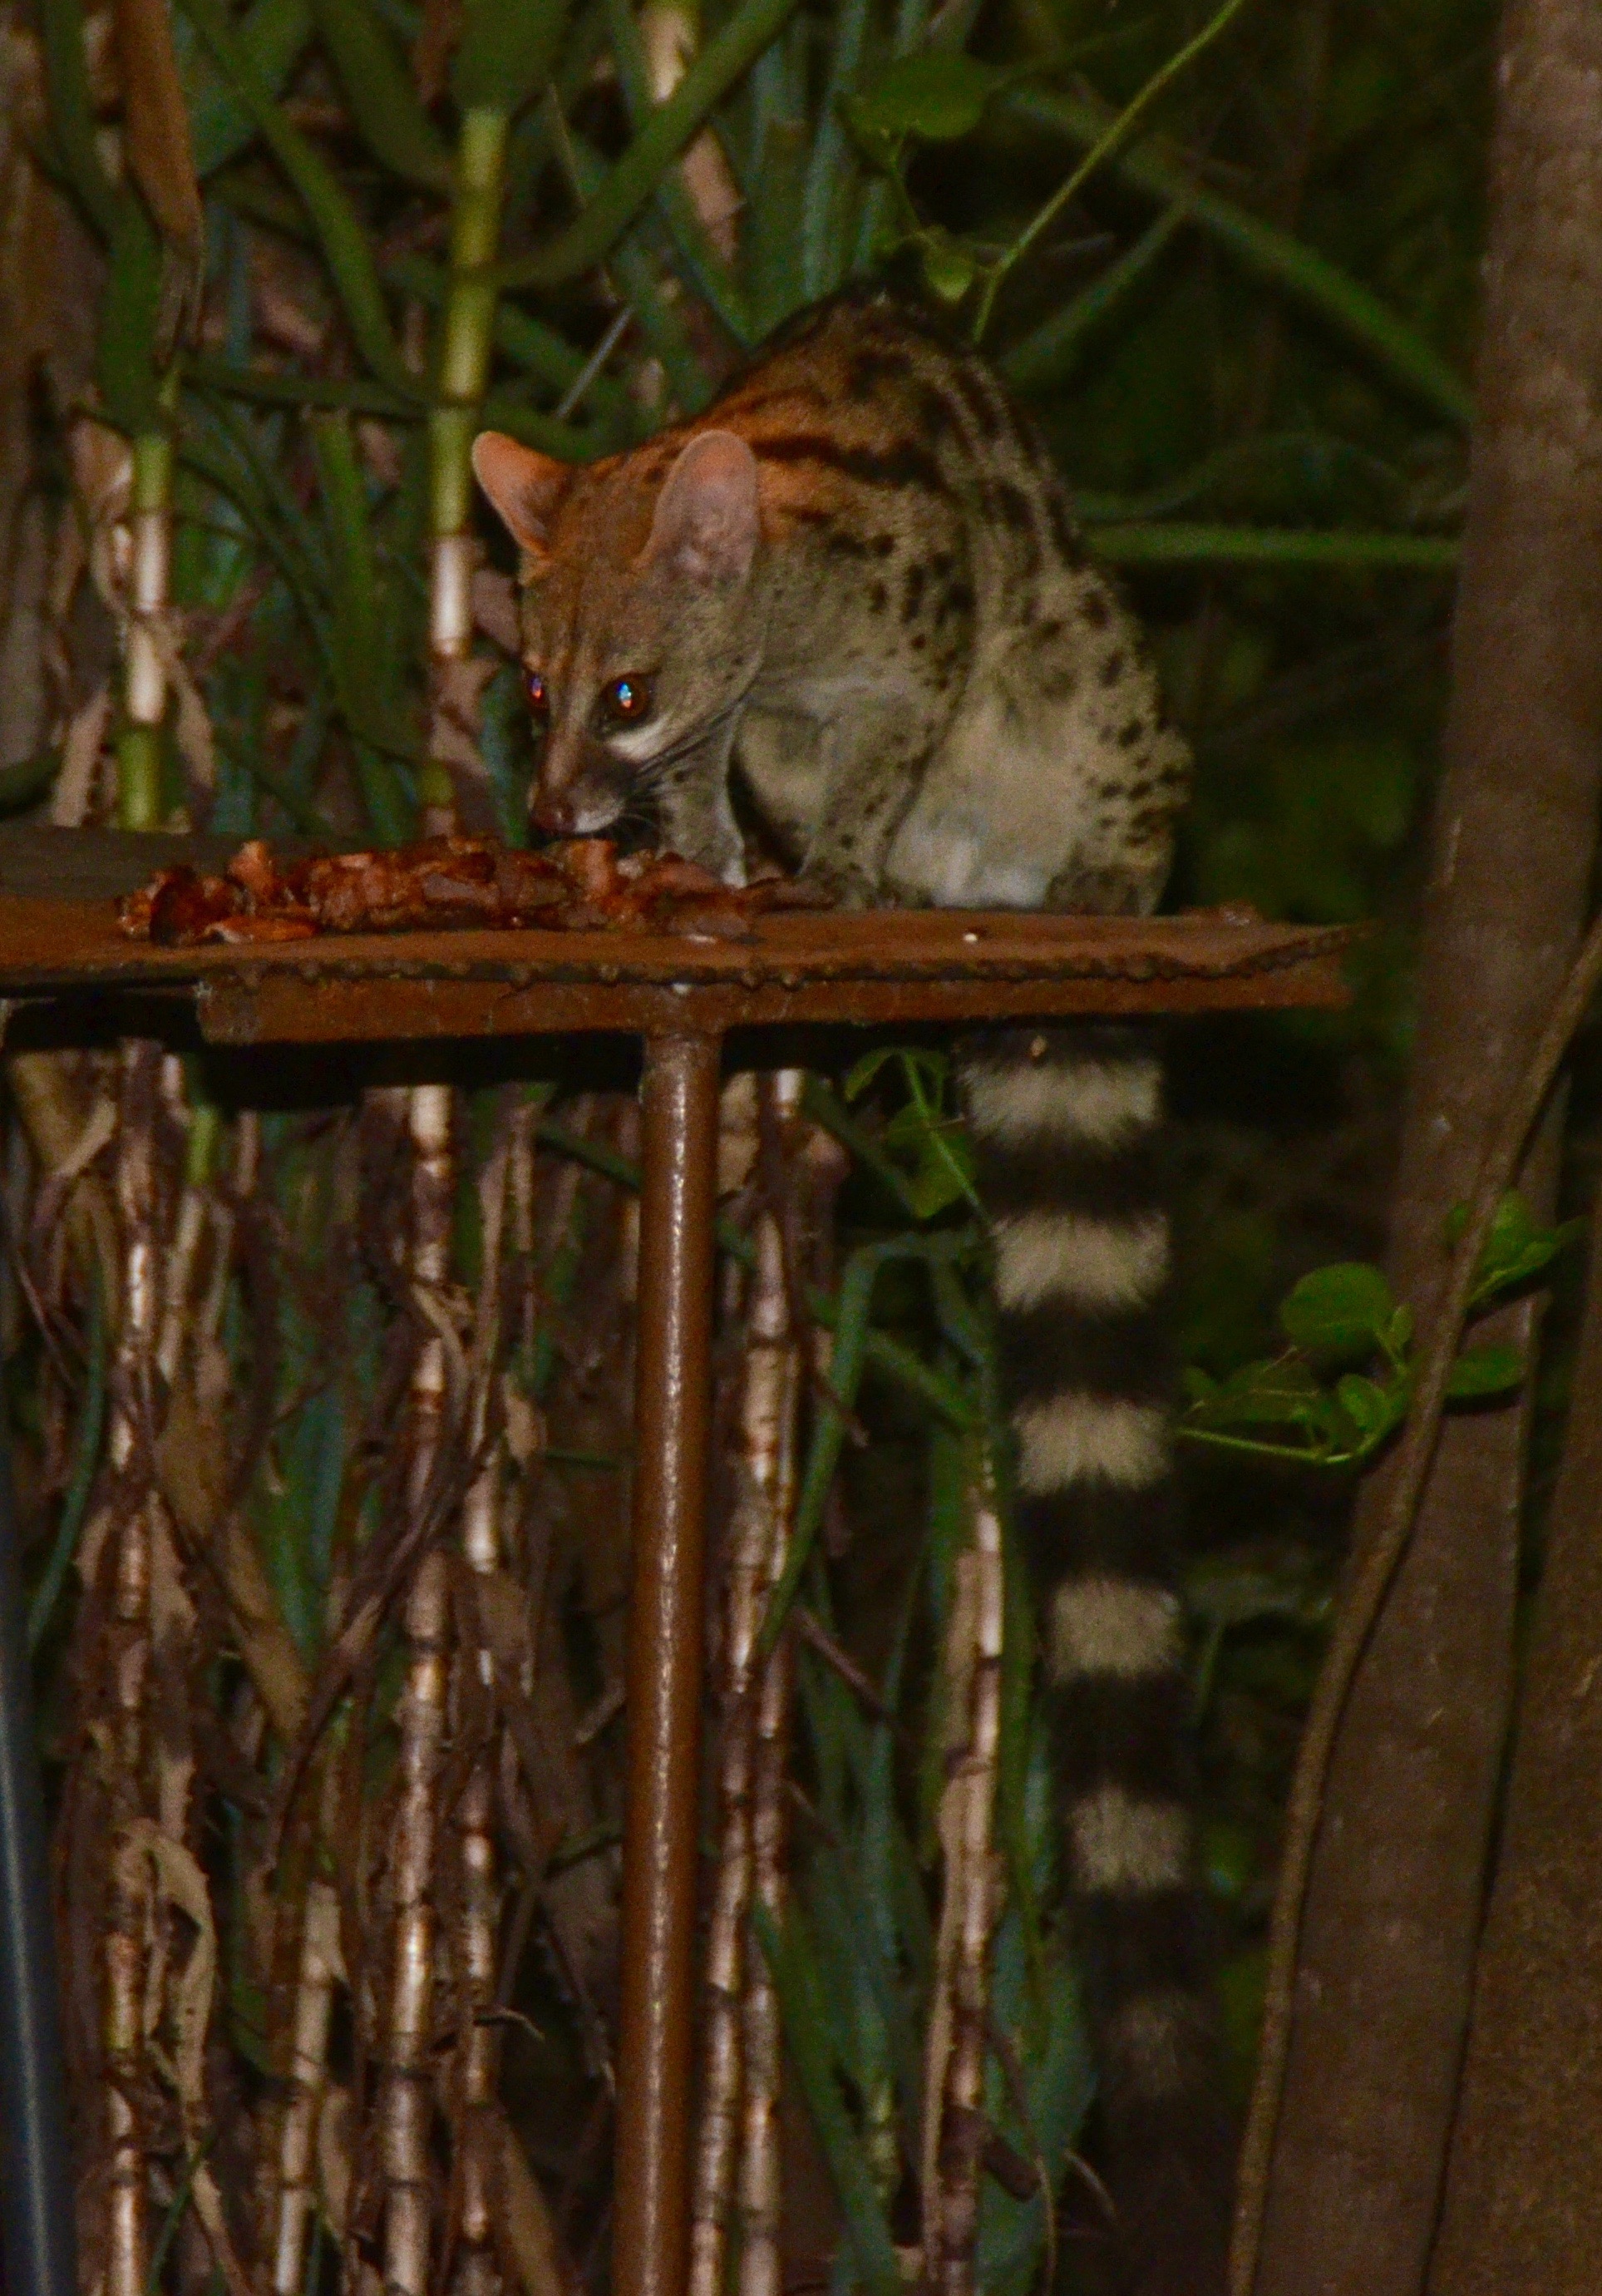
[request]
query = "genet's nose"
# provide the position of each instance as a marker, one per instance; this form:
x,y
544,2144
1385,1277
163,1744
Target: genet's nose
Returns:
x,y
552,811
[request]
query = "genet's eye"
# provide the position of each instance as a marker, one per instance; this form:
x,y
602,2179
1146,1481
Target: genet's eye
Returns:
x,y
626,702
538,693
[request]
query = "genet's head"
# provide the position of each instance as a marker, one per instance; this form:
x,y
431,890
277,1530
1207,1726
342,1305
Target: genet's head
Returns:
x,y
639,632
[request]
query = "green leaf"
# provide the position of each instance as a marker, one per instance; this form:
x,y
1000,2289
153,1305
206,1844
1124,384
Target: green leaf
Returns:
x,y
344,242
1288,264
1517,1247
726,57
791,1958
71,113
949,266
939,95
272,33
1491,1369
863,1072
1341,1310
381,93
124,351
508,47
1372,1408
1282,1392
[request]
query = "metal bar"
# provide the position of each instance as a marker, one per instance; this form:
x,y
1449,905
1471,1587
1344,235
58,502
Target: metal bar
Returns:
x,y
282,1008
37,2239
672,1410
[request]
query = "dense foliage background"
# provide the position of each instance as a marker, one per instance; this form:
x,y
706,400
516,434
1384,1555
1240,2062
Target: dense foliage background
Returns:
x,y
1247,335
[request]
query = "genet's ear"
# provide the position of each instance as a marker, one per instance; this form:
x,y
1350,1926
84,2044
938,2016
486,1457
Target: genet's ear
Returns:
x,y
707,517
526,488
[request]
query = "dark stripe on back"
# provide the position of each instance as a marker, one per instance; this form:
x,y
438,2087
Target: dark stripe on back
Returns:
x,y
903,466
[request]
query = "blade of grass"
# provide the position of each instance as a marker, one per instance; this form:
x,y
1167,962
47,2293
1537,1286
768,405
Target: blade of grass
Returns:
x,y
1177,545
85,1458
1276,256
345,244
945,1396
275,387
71,113
1114,136
272,33
702,264
671,126
366,662
381,93
804,2008
252,483
832,174
1050,354
774,281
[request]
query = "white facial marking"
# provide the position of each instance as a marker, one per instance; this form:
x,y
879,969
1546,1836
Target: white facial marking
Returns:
x,y
1070,1438
1098,1102
1111,1626
1124,1846
636,745
1089,1263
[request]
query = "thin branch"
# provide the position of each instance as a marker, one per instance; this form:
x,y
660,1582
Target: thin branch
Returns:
x,y
1361,1610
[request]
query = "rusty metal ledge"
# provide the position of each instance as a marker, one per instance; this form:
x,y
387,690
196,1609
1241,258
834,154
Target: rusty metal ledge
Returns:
x,y
889,966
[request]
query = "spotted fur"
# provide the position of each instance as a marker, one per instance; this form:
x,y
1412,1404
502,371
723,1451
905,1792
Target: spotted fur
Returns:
x,y
854,581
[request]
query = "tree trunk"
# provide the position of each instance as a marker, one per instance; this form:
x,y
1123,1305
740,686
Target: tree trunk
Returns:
x,y
1394,1905
1524,2193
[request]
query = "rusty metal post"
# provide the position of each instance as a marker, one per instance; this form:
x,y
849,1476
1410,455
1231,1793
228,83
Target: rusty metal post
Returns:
x,y
650,2230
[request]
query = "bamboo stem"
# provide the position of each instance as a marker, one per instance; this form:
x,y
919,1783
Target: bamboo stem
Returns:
x,y
127,1913
320,1968
477,2059
467,339
408,2099
955,2126
736,2162
144,681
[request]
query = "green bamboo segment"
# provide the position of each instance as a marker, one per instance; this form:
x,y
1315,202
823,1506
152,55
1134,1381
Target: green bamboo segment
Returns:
x,y
1276,256
461,372
467,332
140,798
507,52
527,342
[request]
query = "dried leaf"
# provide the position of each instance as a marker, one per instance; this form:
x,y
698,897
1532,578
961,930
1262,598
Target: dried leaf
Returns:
x,y
191,1461
161,161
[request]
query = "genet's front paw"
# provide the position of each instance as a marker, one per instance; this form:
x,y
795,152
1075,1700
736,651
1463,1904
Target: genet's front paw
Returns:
x,y
844,889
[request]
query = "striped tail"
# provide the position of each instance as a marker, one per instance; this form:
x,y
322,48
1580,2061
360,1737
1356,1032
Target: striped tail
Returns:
x,y
1065,1124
